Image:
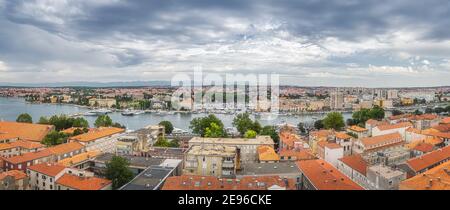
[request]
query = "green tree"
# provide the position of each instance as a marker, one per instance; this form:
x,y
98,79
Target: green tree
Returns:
x,y
80,122
243,123
55,138
199,125
250,134
214,131
168,127
334,120
103,121
44,121
272,132
438,110
161,142
418,112
376,113
301,127
118,172
318,124
24,118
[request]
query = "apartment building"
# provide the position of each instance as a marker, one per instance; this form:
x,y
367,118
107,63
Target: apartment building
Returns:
x,y
370,147
43,176
355,167
246,148
72,181
382,177
103,139
19,147
108,103
427,161
211,160
436,178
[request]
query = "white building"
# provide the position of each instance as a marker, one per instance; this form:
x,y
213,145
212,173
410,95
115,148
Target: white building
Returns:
x,y
102,139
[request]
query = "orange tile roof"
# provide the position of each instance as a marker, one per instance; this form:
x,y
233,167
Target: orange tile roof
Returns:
x,y
28,157
394,126
187,182
446,120
398,117
65,148
83,183
304,154
343,135
326,177
24,131
267,153
376,122
22,144
424,147
356,162
68,162
100,133
321,133
442,128
329,145
289,138
424,117
382,139
28,144
15,173
427,160
6,146
72,130
49,169
358,129
437,178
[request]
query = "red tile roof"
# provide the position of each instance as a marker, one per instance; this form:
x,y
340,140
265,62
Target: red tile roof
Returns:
x,y
49,169
392,138
83,183
326,177
187,182
427,160
394,126
97,134
24,131
424,147
356,162
15,173
28,157
65,148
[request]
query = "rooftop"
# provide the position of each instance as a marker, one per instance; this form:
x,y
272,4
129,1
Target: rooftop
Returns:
x,y
65,148
268,169
437,178
83,183
386,171
356,162
382,139
187,182
267,153
394,126
153,177
326,177
97,134
15,173
48,169
212,150
29,157
356,128
259,140
429,159
76,159
24,131
135,162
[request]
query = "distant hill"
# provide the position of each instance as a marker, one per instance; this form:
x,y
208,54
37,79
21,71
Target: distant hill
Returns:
x,y
90,84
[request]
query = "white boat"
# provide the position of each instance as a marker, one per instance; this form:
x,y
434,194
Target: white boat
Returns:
x,y
97,112
132,112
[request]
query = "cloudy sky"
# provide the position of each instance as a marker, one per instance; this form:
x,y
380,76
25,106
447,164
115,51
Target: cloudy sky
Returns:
x,y
370,43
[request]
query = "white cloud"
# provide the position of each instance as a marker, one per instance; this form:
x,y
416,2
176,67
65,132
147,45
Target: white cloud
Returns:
x,y
3,66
